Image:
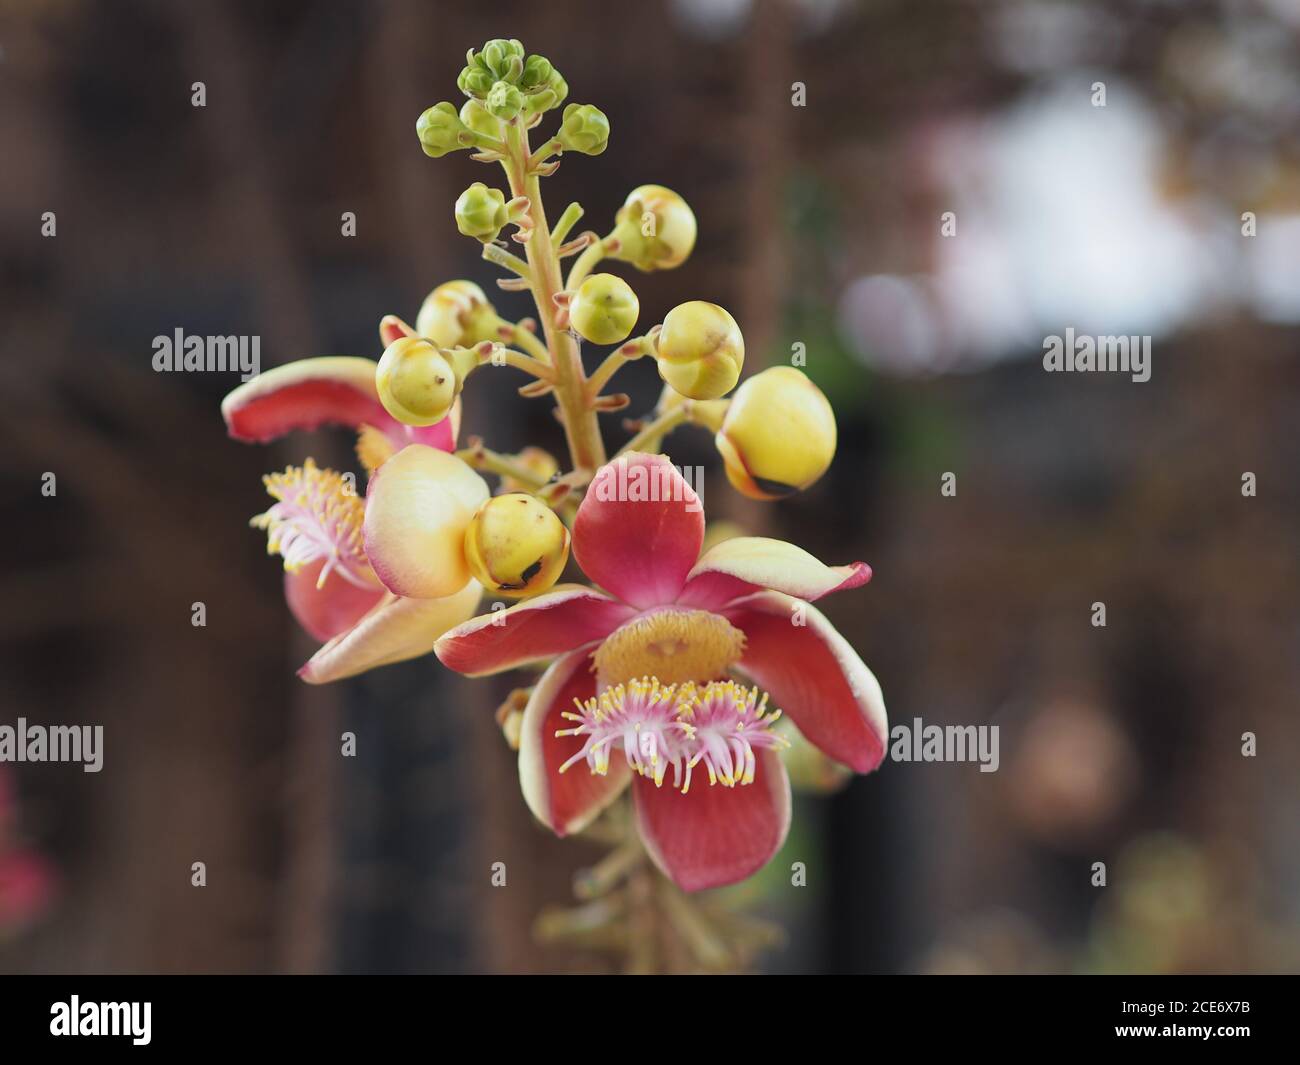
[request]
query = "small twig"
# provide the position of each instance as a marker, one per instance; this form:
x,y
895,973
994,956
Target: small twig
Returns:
x,y
566,222
652,434
494,253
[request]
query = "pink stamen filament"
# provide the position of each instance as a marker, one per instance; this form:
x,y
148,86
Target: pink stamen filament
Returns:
x,y
657,726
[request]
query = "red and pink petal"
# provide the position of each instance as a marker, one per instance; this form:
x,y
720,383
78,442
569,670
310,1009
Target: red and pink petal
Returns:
x,y
395,630
330,390
639,529
566,617
565,802
332,608
748,564
814,676
713,835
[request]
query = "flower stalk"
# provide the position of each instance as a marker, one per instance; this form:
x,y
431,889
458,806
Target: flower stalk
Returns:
x,y
581,428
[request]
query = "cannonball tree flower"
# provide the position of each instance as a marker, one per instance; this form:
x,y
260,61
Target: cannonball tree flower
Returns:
x,y
318,521
643,690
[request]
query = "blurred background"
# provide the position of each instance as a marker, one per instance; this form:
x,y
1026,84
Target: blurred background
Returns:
x,y
820,225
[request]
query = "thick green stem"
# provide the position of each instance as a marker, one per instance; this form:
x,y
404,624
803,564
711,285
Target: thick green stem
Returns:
x,y
581,429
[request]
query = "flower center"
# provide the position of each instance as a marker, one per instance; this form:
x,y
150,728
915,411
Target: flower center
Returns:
x,y
638,719
317,514
655,726
672,644
727,722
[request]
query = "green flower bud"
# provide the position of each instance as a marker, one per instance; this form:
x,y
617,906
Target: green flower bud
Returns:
x,y
559,86
477,117
537,72
505,101
655,229
700,350
604,309
457,314
474,81
503,59
584,129
481,212
778,435
515,545
439,130
416,384
499,60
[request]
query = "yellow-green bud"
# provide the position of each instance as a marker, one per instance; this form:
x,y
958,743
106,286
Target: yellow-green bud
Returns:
x,y
481,212
700,350
439,130
477,117
537,73
416,383
537,461
584,129
778,436
504,101
704,412
604,309
457,314
515,545
655,229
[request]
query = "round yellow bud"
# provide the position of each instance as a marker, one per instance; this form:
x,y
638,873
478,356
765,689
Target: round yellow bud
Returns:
x,y
416,384
700,350
457,315
778,436
516,546
604,309
655,229
537,461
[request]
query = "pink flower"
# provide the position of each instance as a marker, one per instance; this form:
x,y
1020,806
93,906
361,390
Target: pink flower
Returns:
x,y
318,521
671,619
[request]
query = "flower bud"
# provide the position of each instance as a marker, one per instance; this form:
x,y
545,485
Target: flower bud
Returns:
x,y
503,59
778,436
415,382
537,461
584,129
457,314
556,84
655,229
481,212
499,60
475,82
537,72
704,412
604,309
478,118
504,101
515,545
700,350
439,130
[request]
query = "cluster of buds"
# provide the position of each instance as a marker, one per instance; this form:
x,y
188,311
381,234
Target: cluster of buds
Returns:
x,y
509,83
